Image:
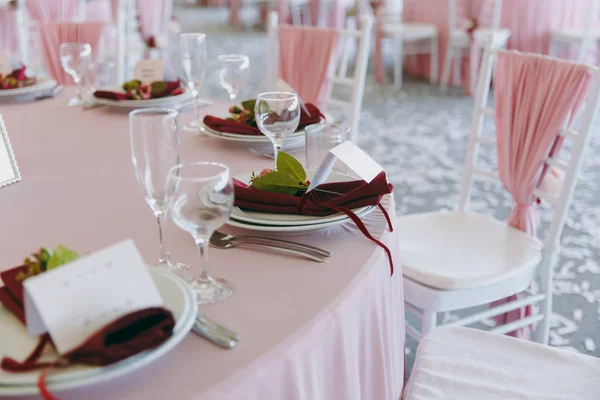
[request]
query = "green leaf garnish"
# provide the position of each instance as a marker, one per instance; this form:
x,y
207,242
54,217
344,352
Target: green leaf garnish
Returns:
x,y
158,89
279,182
61,256
291,166
131,85
248,105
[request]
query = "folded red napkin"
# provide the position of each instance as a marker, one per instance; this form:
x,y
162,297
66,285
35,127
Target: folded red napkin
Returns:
x,y
227,126
171,89
325,199
11,295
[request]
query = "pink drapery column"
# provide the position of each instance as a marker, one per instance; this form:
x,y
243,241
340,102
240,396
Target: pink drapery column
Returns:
x,y
335,17
52,10
53,34
8,31
152,19
533,98
304,59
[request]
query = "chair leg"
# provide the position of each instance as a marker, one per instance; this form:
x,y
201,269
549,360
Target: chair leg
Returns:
x,y
429,322
398,61
447,67
542,331
433,74
457,78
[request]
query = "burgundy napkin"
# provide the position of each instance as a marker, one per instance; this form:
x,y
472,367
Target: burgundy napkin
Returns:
x,y
11,295
119,96
325,199
227,126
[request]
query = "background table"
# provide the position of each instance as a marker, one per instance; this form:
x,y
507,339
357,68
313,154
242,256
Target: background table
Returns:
x,y
332,330
530,23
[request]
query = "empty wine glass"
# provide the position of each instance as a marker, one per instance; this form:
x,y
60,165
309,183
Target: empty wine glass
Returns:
x,y
75,59
233,73
155,145
201,199
193,63
277,116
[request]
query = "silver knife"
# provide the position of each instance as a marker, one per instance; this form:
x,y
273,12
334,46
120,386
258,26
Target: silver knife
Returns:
x,y
213,336
226,331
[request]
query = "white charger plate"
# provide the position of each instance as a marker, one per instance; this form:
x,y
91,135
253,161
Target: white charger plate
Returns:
x,y
246,138
132,104
177,297
263,218
40,86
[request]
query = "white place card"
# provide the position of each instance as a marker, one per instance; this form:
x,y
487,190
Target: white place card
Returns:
x,y
9,171
282,86
75,300
354,158
148,71
5,68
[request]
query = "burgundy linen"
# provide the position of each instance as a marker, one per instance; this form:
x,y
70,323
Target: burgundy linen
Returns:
x,y
228,126
305,55
534,96
119,96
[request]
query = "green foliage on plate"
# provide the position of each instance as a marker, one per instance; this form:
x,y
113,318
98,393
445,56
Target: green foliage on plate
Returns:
x,y
244,114
289,178
42,261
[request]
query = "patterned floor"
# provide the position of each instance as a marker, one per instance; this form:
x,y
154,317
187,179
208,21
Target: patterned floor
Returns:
x,y
420,135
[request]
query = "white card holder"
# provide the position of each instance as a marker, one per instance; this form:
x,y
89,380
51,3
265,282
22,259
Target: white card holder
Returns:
x,y
9,171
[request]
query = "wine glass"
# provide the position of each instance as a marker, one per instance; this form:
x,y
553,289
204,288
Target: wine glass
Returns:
x,y
201,199
233,73
75,59
193,63
155,145
277,116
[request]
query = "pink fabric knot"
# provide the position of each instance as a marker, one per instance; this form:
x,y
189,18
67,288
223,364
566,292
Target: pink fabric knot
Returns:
x,y
524,217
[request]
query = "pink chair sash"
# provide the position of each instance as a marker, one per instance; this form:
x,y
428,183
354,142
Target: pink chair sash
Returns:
x,y
152,18
335,18
8,32
53,34
533,97
52,10
304,59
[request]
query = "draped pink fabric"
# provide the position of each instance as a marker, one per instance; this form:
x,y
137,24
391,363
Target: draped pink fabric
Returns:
x,y
152,17
8,32
304,59
52,10
53,34
100,10
335,12
534,95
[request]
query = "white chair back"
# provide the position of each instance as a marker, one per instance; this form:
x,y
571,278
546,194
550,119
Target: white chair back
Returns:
x,y
561,199
489,14
338,72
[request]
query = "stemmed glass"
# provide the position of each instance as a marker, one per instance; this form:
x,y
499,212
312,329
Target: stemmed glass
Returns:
x,y
155,145
277,116
75,59
201,199
233,73
193,63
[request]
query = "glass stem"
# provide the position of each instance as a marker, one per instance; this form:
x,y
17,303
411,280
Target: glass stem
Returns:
x,y
163,258
77,80
277,146
202,275
196,109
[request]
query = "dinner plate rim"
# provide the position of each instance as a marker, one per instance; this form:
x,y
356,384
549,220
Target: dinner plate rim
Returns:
x,y
102,374
161,101
42,84
246,138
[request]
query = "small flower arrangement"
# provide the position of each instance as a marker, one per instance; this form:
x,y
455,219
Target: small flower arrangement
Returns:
x,y
16,79
42,261
135,90
470,25
243,114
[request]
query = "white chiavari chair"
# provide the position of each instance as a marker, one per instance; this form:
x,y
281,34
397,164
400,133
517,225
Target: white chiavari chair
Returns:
x,y
409,38
338,74
459,260
459,39
585,39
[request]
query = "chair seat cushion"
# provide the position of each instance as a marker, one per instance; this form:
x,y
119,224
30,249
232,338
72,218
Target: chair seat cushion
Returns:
x,y
468,364
460,250
411,30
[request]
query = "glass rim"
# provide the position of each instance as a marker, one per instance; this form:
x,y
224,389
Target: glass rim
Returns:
x,y
84,44
154,110
193,34
289,95
320,125
225,169
233,57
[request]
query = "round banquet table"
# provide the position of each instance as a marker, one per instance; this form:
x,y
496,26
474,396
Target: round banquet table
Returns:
x,y
530,22
332,330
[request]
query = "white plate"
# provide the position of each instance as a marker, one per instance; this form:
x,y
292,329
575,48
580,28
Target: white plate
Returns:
x,y
297,229
178,298
160,102
263,218
246,138
40,86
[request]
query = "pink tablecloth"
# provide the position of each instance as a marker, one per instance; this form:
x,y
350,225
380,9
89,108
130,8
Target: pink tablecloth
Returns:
x,y
530,22
330,330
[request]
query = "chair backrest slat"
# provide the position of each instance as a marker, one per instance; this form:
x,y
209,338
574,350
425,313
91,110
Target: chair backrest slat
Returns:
x,y
561,199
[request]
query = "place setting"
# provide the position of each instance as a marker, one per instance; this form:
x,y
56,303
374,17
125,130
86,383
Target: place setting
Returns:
x,y
16,84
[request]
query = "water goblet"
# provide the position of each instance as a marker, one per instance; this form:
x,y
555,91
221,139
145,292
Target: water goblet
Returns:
x,y
75,59
277,116
233,73
155,146
201,199
193,63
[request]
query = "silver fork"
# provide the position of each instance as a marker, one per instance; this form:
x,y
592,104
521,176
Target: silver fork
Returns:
x,y
247,238
227,244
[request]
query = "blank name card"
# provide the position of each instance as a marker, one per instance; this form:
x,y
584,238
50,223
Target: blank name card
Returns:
x,y
354,158
148,71
75,300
